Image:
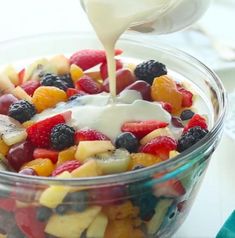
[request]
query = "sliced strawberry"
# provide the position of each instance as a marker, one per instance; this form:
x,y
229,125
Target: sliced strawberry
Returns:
x,y
26,220
30,86
196,120
167,106
89,58
170,188
160,146
67,166
39,133
21,76
104,68
142,128
89,135
88,85
187,96
73,91
7,204
45,153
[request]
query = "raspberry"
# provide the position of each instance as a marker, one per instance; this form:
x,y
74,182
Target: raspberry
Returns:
x,y
62,136
88,85
187,96
167,106
142,128
72,92
22,111
30,86
196,120
67,166
160,146
149,70
45,153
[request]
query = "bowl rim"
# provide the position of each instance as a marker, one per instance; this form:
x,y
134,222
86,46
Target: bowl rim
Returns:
x,y
130,175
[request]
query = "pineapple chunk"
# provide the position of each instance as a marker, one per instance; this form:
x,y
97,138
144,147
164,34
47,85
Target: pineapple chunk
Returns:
x,y
66,155
5,83
13,137
21,94
71,225
97,227
87,149
12,74
60,63
89,169
54,195
173,154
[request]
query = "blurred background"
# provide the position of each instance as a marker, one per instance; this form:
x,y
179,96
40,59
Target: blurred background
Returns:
x,y
211,40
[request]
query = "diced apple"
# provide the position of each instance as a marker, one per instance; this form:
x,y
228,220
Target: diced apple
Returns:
x,y
98,226
54,195
89,169
12,74
60,63
87,149
158,132
160,212
21,94
5,83
71,225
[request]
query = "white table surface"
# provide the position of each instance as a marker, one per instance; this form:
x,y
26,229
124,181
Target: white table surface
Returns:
x,y
216,198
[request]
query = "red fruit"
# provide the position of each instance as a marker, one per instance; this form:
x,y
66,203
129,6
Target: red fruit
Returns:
x,y
160,146
88,85
196,120
187,96
124,78
47,154
21,76
39,133
73,91
67,166
89,135
89,58
104,68
30,86
19,154
170,188
5,102
7,204
142,128
143,87
26,220
167,106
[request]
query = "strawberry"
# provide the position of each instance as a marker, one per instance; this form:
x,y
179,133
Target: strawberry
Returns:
x,y
89,135
26,220
167,106
21,76
39,133
142,128
88,85
89,58
73,91
196,120
104,68
30,86
187,96
67,166
170,188
7,204
160,146
45,153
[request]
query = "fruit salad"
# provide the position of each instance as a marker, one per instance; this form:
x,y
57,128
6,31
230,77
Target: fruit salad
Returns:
x,y
57,120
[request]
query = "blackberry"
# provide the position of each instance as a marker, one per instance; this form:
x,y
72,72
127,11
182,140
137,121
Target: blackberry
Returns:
x,y
49,79
149,70
186,115
68,80
22,111
191,137
127,141
62,136
43,213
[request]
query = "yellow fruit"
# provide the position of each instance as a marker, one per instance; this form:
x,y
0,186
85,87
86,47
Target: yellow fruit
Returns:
x,y
47,96
76,72
28,124
173,154
143,159
5,83
4,148
43,167
60,63
95,76
21,94
11,72
122,211
164,89
66,155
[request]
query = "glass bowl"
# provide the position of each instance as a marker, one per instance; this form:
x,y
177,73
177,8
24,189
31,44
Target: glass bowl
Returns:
x,y
150,202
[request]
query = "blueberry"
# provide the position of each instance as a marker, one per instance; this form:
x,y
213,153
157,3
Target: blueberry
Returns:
x,y
77,200
127,141
62,209
43,213
186,115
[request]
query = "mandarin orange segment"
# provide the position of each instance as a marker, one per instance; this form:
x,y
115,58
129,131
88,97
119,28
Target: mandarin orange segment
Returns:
x,y
4,148
43,167
164,89
76,72
143,159
28,124
48,96
66,155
